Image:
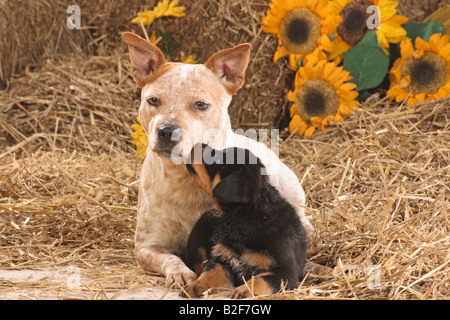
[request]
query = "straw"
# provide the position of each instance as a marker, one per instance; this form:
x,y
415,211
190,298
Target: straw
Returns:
x,y
377,184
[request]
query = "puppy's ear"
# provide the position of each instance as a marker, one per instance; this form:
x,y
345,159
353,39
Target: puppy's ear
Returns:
x,y
232,189
145,57
229,66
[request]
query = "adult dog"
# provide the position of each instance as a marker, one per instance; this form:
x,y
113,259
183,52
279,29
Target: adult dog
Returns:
x,y
181,105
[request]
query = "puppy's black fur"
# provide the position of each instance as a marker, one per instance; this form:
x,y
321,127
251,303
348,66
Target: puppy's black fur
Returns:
x,y
254,233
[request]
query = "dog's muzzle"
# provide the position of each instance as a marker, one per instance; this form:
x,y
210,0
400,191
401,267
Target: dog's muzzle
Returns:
x,y
168,137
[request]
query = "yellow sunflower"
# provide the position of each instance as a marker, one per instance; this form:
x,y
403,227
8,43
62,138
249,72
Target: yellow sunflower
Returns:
x,y
421,74
186,59
321,95
302,27
163,9
355,20
140,138
153,38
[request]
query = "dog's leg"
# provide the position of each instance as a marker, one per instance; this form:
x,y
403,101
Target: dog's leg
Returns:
x,y
171,266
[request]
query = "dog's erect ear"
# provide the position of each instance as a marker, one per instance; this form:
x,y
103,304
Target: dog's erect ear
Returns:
x,y
229,65
145,57
232,189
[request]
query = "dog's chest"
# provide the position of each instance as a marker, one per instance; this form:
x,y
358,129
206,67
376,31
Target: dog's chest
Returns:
x,y
170,202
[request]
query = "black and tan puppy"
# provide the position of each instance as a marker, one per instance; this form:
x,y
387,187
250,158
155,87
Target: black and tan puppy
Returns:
x,y
254,236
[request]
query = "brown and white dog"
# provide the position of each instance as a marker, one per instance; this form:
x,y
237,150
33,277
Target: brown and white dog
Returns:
x,y
181,105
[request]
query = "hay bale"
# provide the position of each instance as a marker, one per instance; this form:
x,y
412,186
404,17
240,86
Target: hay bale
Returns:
x,y
261,102
418,10
218,25
84,103
34,31
210,26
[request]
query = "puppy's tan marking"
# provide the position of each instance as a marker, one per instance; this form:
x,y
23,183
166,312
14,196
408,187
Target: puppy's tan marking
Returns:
x,y
257,285
257,260
203,179
224,252
216,278
215,181
200,267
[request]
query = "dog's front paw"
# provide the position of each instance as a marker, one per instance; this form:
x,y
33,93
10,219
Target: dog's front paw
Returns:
x,y
194,289
241,292
258,287
183,276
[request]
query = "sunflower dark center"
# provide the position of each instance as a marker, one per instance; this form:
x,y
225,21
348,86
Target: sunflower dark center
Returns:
x,y
428,73
354,21
314,103
422,73
300,30
316,98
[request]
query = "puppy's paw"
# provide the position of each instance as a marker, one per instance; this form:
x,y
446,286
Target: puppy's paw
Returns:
x,y
194,289
241,292
259,286
182,275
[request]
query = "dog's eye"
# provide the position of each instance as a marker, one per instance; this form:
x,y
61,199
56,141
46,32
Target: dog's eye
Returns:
x,y
199,105
153,101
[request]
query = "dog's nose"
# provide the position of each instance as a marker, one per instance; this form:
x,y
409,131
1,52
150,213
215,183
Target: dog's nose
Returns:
x,y
168,133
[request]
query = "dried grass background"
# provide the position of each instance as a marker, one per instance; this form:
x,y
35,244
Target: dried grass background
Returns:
x,y
377,185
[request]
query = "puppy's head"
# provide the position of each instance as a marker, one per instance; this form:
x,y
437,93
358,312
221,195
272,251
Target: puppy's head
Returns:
x,y
230,176
183,104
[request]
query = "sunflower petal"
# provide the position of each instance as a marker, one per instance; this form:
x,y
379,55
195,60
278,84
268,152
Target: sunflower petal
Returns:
x,y
406,48
293,110
293,60
315,121
392,31
281,52
338,117
137,127
340,46
308,132
381,37
399,19
291,95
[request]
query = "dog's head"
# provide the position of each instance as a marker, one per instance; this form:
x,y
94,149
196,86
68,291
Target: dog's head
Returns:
x,y
232,175
183,104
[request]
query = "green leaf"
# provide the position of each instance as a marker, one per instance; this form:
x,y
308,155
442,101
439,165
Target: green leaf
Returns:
x,y
367,62
167,42
363,95
424,30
